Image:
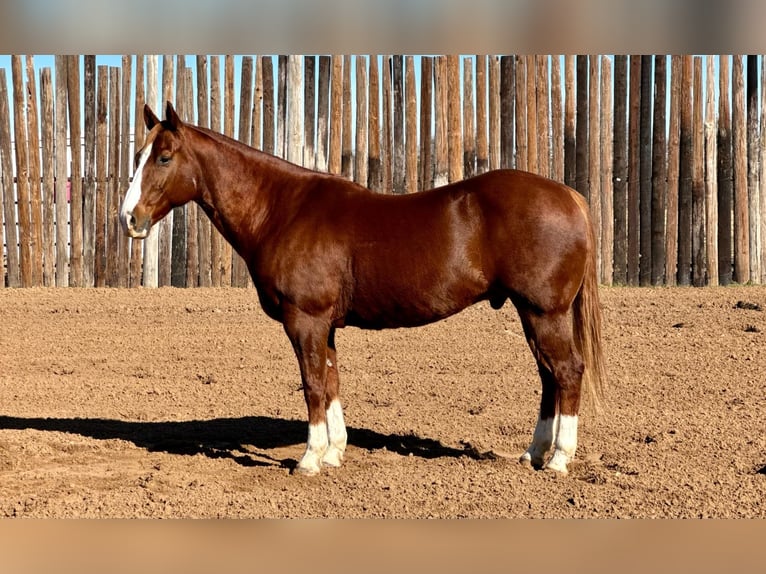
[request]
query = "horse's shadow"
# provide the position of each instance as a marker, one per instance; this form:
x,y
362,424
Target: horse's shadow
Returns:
x,y
245,440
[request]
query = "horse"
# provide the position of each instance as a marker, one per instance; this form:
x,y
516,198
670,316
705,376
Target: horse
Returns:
x,y
325,253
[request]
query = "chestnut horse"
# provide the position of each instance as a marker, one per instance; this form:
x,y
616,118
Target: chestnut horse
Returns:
x,y
325,253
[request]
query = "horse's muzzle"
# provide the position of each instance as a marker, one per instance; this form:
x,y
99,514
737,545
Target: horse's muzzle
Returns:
x,y
134,227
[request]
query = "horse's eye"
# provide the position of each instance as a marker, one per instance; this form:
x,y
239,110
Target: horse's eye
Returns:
x,y
163,160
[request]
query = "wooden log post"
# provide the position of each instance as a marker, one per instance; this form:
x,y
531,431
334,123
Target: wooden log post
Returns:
x,y
204,228
494,112
347,135
507,97
543,114
645,174
387,153
35,175
725,174
557,122
76,276
411,135
361,161
22,173
336,114
686,167
441,158
634,167
659,170
397,122
49,168
570,115
165,232
375,172
711,176
179,238
674,166
698,180
620,150
469,125
62,215
594,154
607,185
531,89
216,239
309,109
739,153
150,276
753,195
581,128
520,113
426,118
482,143
13,273
454,112
323,113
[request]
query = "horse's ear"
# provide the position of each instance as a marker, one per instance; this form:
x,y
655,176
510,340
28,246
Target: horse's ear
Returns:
x,y
149,118
171,116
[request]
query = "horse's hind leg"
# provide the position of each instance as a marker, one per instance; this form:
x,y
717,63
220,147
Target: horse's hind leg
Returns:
x,y
560,365
336,426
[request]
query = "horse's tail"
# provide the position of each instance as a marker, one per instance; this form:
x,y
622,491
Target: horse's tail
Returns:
x,y
587,324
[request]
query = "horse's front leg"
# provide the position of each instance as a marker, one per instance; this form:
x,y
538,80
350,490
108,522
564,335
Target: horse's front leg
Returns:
x,y
309,336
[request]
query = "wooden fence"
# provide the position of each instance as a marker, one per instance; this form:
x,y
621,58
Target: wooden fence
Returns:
x,y
668,151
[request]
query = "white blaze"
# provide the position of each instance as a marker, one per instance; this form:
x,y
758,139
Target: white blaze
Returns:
x,y
133,194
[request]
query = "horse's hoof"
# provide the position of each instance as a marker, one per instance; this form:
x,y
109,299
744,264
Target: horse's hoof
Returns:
x,y
306,470
526,460
333,457
558,463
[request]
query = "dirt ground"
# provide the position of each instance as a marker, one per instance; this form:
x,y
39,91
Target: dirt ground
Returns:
x,y
187,403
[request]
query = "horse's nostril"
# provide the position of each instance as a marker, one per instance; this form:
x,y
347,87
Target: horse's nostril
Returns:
x,y
132,222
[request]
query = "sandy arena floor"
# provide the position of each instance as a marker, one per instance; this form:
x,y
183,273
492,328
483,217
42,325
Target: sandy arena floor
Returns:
x,y
187,403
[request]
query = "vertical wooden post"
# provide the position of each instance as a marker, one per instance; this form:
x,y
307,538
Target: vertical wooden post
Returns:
x,y
698,181
570,114
607,185
256,122
347,136
336,112
762,182
216,239
239,275
557,121
482,144
151,243
521,115
9,195
494,112
426,117
754,203
685,174
49,168
387,182
126,74
361,162
454,129
469,128
204,228
62,215
725,174
620,149
533,157
411,115
543,111
295,111
507,96
645,173
674,166
113,172
659,170
441,158
281,106
35,190
102,174
192,209
397,115
711,176
309,111
634,165
375,175
267,83
75,149
739,152
594,154
581,129
323,113
22,173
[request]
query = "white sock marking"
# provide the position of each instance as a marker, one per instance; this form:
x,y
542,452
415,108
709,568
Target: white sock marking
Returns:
x,y
566,443
315,449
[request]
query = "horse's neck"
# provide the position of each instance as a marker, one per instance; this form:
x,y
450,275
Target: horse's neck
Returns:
x,y
240,185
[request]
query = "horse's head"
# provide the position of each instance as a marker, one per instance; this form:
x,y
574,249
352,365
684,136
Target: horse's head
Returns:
x,y
164,177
